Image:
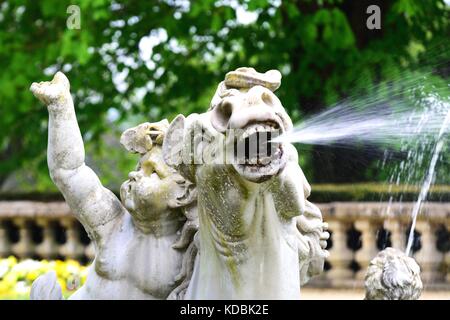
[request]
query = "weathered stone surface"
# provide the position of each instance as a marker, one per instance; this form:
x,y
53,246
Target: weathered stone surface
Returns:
x,y
259,238
46,287
245,78
392,275
134,239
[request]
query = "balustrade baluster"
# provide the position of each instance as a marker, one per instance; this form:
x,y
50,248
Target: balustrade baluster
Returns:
x,y
90,251
48,248
340,255
428,257
397,230
5,243
369,250
25,247
72,249
447,266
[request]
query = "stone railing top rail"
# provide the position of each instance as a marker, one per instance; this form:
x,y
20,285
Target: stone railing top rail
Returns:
x,y
34,209
384,210
348,210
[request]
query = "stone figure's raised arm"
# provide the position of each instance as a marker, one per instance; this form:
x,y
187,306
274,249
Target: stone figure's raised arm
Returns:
x,y
93,205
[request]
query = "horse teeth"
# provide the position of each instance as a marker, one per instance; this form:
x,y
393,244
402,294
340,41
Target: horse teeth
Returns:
x,y
259,128
264,160
277,153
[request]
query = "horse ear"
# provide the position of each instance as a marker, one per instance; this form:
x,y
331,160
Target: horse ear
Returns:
x,y
61,78
172,147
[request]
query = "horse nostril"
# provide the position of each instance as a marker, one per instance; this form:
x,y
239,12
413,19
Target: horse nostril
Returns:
x,y
267,99
226,109
132,175
222,115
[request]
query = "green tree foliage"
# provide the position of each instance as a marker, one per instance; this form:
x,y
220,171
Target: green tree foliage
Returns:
x,y
137,61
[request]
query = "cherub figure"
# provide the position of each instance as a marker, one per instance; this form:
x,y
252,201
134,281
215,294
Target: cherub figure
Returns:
x,y
140,241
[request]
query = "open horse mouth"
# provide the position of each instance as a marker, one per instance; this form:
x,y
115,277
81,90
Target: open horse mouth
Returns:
x,y
256,157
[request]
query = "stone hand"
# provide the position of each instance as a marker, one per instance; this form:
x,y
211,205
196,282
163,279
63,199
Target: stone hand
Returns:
x,y
312,254
315,233
52,93
314,226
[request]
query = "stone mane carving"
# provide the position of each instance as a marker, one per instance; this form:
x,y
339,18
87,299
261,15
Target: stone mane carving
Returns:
x,y
259,238
392,275
144,242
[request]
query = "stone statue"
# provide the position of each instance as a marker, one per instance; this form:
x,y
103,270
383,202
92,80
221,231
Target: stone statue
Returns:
x,y
259,238
216,208
392,275
143,244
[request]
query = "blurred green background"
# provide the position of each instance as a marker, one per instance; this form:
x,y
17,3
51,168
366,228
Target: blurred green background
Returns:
x,y
136,61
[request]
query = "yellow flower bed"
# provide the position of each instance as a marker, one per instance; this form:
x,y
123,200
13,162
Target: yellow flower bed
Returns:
x,y
16,277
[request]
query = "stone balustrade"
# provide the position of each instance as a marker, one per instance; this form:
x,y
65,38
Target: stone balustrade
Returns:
x,y
48,230
359,230
43,230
